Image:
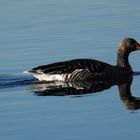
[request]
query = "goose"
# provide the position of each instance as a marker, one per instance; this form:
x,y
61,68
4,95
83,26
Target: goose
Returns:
x,y
88,69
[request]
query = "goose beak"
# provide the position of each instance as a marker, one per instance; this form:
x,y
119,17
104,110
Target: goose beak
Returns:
x,y
137,46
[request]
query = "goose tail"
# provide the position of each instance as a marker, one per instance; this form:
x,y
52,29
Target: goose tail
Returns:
x,y
37,74
31,72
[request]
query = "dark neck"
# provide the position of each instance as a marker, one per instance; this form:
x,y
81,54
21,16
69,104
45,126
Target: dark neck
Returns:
x,y
122,60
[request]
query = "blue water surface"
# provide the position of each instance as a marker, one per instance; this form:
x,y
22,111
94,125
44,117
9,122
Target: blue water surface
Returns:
x,y
36,32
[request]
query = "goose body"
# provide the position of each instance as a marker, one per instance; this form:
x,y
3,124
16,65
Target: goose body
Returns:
x,y
88,69
72,70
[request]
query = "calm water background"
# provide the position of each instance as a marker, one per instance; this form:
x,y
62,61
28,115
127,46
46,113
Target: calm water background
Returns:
x,y
40,32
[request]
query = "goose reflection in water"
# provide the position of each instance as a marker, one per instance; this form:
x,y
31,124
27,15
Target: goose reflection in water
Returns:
x,y
78,89
89,87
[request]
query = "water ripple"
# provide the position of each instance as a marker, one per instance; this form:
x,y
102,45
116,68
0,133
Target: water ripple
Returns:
x,y
9,80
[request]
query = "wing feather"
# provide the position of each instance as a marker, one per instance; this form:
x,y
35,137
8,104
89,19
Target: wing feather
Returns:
x,y
91,65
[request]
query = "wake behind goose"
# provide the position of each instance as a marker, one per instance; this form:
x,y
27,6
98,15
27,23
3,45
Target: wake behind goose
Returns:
x,y
14,80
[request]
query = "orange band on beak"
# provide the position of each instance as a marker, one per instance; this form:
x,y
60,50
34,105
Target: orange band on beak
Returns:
x,y
137,46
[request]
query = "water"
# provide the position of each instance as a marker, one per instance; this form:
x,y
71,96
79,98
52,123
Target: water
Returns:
x,y
40,32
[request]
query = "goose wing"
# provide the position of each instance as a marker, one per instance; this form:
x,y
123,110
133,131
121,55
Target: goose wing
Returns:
x,y
90,65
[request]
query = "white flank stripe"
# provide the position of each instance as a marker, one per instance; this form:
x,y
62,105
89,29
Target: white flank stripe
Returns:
x,y
47,77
